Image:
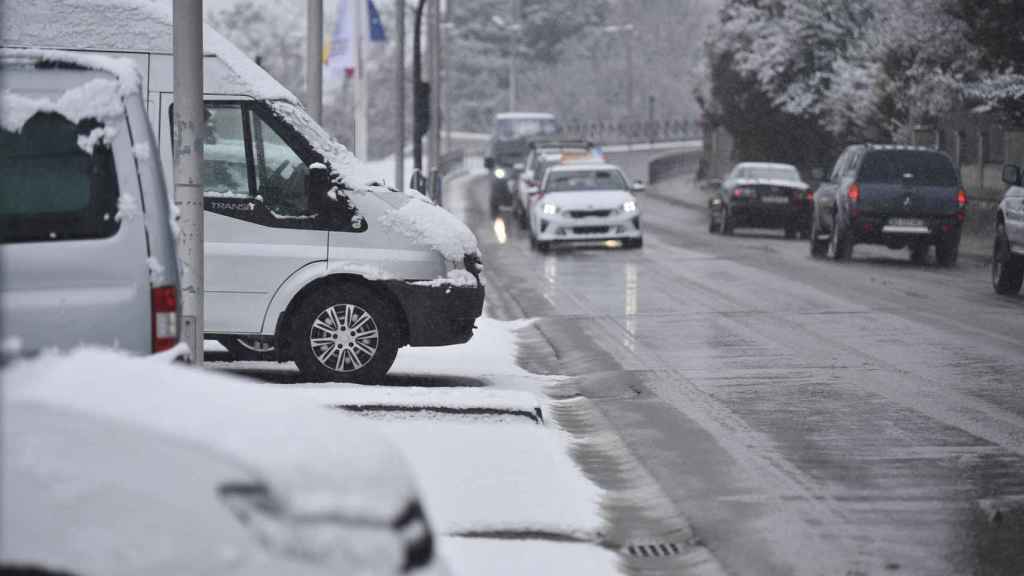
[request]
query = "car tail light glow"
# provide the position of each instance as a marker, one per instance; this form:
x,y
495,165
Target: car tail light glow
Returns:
x,y
165,318
961,199
810,195
854,193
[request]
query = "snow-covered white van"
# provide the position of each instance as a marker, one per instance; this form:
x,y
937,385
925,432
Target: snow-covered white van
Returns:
x,y
306,255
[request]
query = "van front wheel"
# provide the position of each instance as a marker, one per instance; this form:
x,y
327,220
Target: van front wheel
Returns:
x,y
345,332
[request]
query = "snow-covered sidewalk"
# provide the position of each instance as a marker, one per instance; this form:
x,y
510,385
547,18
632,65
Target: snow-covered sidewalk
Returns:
x,y
499,485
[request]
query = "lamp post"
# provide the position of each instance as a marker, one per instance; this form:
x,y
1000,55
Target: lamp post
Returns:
x,y
627,29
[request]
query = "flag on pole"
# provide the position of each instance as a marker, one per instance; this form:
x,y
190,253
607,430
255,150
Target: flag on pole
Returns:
x,y
376,26
339,50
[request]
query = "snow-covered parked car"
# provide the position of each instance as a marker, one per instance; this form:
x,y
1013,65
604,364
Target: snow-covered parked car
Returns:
x,y
114,464
86,242
307,256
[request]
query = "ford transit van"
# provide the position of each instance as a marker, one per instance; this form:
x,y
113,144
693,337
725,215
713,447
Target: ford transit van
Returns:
x,y
307,257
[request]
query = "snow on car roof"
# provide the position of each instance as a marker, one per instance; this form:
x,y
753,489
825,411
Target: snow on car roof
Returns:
x,y
332,463
124,26
525,116
99,98
765,165
583,166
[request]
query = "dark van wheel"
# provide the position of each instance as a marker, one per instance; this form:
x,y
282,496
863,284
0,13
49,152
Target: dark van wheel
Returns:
x,y
947,250
1007,269
345,333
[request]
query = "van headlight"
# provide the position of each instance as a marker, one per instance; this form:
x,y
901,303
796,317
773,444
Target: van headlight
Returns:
x,y
500,173
629,206
549,209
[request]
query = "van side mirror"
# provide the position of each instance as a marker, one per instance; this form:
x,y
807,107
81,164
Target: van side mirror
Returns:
x,y
1011,175
489,163
318,184
638,186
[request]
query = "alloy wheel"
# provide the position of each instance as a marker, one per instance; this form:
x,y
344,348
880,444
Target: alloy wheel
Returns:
x,y
344,337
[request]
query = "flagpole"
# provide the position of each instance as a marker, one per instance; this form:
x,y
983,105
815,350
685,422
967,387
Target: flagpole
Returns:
x,y
362,27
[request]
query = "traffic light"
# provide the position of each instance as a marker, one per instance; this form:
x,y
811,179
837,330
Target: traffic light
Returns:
x,y
421,109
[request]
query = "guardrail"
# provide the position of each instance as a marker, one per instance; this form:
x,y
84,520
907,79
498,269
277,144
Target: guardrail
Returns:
x,y
670,165
632,131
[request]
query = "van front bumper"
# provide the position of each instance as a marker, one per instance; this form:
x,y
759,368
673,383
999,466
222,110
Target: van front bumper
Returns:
x,y
439,315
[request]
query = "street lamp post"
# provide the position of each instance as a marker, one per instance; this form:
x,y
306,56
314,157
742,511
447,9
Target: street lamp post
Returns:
x,y
314,57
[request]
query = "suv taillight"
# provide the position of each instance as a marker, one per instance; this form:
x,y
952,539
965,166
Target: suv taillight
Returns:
x,y
961,205
854,193
165,318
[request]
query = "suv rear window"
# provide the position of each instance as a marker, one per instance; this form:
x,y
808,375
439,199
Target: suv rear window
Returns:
x,y
911,166
50,189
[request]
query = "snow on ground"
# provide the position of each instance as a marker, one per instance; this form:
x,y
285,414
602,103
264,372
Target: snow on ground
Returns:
x,y
533,557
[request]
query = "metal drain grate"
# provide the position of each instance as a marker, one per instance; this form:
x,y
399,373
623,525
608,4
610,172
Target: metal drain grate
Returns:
x,y
654,550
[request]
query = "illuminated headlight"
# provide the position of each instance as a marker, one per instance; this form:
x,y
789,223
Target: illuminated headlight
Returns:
x,y
549,209
629,206
500,173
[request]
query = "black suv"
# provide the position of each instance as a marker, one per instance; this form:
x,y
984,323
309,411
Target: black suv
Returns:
x,y
896,196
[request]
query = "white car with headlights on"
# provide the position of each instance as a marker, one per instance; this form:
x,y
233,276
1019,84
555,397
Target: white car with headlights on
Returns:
x,y
586,203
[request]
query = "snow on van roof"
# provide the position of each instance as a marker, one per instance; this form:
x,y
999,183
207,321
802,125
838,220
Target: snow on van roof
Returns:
x,y
125,26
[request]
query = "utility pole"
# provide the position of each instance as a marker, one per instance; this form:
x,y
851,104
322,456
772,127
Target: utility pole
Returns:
x,y
314,57
362,89
400,95
189,125
421,99
513,71
434,134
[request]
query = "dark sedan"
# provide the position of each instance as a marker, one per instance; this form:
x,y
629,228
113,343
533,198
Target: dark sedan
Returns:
x,y
762,195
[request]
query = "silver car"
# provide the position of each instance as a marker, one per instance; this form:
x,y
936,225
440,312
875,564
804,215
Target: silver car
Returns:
x,y
86,243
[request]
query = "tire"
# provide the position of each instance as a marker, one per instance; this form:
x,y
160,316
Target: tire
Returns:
x,y
1007,269
947,250
840,245
919,252
340,357
819,248
248,348
726,225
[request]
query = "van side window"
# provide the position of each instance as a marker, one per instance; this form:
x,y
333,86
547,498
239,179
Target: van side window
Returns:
x,y
50,188
281,176
225,173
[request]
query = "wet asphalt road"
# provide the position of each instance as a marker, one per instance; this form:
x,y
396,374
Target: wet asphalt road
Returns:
x,y
805,417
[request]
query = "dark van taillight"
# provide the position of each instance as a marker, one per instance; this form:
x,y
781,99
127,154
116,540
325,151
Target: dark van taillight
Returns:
x,y
165,318
961,205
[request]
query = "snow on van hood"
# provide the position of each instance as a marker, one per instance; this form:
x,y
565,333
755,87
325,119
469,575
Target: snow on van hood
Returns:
x,y
317,461
427,224
144,26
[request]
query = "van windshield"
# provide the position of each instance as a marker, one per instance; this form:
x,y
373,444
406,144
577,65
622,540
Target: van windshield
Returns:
x,y
508,129
50,188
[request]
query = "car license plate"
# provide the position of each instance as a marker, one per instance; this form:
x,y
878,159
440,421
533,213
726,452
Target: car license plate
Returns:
x,y
775,199
906,222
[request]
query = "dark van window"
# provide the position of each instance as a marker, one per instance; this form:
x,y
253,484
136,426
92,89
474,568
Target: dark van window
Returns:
x,y
50,189
915,167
